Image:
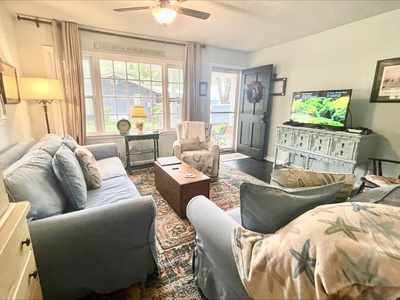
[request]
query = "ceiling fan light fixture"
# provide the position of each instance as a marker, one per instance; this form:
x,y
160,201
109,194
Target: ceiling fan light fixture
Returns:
x,y
164,15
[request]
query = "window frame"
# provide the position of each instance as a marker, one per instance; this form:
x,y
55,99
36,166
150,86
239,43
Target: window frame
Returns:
x,y
98,106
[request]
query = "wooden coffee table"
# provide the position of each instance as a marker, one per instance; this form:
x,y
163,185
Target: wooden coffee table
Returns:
x,y
178,190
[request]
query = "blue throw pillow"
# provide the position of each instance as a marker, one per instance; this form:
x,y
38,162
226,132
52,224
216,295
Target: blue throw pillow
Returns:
x,y
70,176
265,209
70,142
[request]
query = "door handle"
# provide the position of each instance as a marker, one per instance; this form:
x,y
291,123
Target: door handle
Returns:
x,y
264,117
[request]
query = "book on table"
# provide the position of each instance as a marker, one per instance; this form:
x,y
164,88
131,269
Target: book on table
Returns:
x,y
169,160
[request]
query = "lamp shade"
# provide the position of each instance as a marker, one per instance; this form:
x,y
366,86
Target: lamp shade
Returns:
x,y
139,112
164,15
40,89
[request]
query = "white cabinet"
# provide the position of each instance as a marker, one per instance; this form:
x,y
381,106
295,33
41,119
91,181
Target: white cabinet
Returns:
x,y
19,277
334,147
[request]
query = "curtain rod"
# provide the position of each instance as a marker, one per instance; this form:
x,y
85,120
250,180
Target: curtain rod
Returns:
x,y
38,21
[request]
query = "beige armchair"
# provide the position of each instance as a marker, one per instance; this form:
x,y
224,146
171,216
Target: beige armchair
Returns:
x,y
194,147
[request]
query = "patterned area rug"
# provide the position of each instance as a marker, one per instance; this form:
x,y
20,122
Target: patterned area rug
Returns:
x,y
175,238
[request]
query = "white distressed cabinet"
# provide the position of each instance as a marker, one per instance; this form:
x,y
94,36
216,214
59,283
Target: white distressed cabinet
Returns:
x,y
19,277
335,147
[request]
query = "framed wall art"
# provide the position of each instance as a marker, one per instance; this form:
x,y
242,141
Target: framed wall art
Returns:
x,y
9,83
203,89
386,85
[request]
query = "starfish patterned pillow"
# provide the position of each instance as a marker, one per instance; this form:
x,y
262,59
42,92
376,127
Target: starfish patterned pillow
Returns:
x,y
335,251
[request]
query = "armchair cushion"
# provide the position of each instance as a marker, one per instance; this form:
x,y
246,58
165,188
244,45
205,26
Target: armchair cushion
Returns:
x,y
190,144
89,166
266,209
70,176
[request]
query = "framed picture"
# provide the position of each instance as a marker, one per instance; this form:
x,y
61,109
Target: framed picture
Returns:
x,y
9,84
203,89
386,85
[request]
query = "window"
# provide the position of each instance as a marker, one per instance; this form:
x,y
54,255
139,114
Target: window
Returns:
x,y
114,85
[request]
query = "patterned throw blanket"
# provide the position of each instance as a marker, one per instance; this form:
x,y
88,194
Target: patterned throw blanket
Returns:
x,y
335,251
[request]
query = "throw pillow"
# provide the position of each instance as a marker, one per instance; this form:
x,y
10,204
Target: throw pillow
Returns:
x,y
32,179
297,178
190,144
49,143
70,176
265,209
90,168
70,142
389,195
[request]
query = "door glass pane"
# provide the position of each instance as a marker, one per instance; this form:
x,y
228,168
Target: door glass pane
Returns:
x,y
223,96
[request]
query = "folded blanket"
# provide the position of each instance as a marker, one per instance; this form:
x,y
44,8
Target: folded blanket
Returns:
x,y
192,129
336,251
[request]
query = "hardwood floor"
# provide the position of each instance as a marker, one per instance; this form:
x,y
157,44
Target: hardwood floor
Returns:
x,y
256,168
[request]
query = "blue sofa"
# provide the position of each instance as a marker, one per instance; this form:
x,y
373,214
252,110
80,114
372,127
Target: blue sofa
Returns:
x,y
106,246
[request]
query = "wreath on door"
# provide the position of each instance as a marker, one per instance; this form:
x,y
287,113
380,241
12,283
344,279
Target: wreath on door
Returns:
x,y
254,92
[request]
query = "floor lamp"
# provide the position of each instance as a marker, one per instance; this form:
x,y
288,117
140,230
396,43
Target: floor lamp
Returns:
x,y
43,90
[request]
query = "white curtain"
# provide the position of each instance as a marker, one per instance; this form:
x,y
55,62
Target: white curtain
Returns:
x,y
191,80
68,64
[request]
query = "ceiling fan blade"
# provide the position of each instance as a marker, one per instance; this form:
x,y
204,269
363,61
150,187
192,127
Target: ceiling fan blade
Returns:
x,y
131,8
193,13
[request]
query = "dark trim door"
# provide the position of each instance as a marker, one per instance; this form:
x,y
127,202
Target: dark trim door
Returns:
x,y
253,121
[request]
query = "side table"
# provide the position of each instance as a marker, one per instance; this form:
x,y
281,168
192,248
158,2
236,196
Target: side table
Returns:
x,y
131,153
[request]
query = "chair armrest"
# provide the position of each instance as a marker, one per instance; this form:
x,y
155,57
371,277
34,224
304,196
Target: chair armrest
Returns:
x,y
82,236
214,149
384,160
104,150
177,149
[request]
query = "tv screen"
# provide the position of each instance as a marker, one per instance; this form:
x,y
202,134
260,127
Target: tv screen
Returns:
x,y
321,108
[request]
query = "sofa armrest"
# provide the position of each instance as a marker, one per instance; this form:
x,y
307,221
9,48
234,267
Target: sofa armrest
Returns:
x,y
214,232
177,149
104,150
91,246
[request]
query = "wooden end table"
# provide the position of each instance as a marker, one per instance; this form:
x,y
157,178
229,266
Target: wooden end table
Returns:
x,y
178,190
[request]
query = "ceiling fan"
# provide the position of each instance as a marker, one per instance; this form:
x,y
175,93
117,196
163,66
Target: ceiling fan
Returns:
x,y
166,10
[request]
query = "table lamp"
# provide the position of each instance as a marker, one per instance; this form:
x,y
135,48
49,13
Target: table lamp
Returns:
x,y
43,90
139,113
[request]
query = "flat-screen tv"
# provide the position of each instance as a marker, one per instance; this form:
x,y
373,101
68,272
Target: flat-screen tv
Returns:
x,y
321,109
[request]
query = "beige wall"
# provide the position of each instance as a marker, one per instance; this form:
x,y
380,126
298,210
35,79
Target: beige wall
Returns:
x,y
17,126
343,57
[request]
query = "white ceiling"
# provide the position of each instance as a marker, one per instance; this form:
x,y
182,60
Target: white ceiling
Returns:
x,y
240,25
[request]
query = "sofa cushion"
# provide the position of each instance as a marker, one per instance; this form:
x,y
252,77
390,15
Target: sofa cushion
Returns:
x,y
70,176
89,166
70,142
111,167
265,209
49,143
32,179
112,190
296,178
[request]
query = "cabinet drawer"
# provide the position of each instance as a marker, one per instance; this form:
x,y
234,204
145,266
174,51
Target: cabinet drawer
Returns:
x,y
320,144
301,140
284,137
13,254
343,148
28,284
